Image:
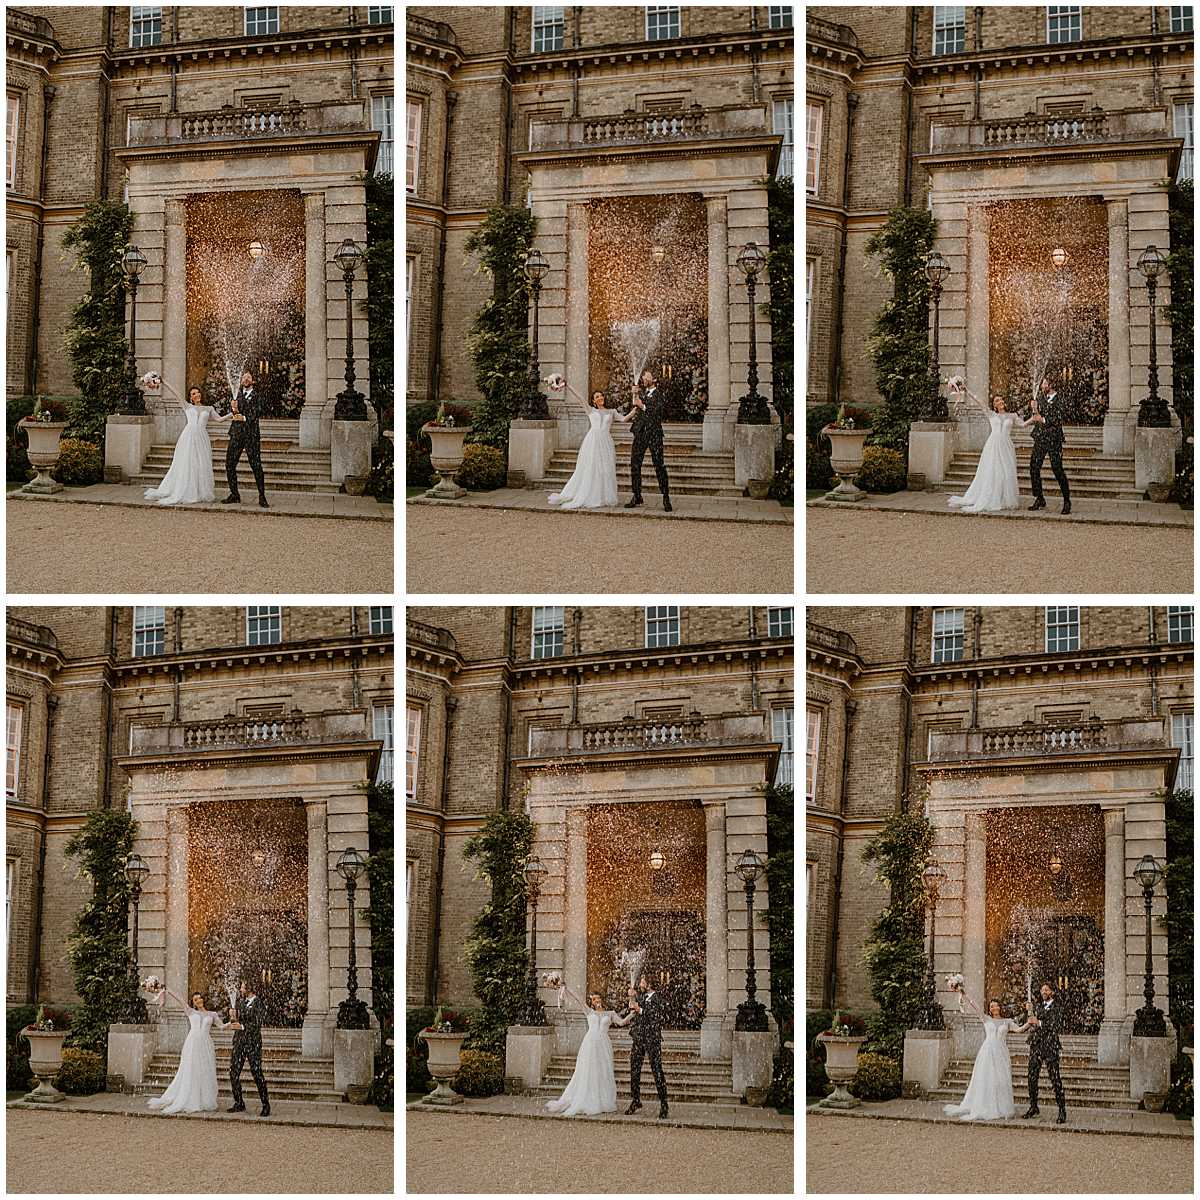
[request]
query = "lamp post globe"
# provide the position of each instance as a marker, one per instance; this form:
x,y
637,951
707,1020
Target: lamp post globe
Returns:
x,y
352,1012
1149,1020
751,1015
535,873
657,860
257,250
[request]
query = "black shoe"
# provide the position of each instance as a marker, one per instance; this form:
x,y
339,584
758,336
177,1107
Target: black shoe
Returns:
x,y
237,1108
662,1112
634,502
1066,508
1062,1117
633,1107
1038,503
262,502
1033,1112
232,499
667,504
266,1111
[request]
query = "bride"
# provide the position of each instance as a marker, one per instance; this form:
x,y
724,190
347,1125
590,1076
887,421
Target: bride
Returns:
x,y
593,1086
194,1088
994,487
190,477
989,1095
593,483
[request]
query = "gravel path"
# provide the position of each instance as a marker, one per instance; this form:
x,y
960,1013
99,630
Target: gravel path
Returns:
x,y
859,1156
509,1155
61,1152
906,552
477,550
87,548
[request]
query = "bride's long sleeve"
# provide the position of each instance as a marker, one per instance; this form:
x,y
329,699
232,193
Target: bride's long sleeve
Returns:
x,y
567,991
983,408
622,1020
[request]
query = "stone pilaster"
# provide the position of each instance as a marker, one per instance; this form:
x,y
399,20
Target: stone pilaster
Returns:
x,y
316,1035
1121,418
1109,1042
974,937
974,429
313,431
572,420
169,419
172,1031
716,959
720,396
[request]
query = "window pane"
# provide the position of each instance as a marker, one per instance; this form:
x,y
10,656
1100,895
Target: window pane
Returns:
x,y
145,26
949,29
1181,18
781,731
379,14
1182,735
381,619
549,28
662,21
1062,628
12,758
412,750
779,16
1179,623
783,123
815,113
382,729
264,624
413,151
779,622
949,630
549,631
812,745
381,119
11,130
149,630
662,625
1064,23
262,20
1183,129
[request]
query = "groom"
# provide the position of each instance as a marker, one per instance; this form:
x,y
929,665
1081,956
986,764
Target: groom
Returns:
x,y
247,1044
1048,440
648,435
646,1032
244,436
1044,1046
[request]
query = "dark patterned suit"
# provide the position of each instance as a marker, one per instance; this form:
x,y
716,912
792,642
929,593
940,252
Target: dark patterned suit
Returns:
x,y
648,435
646,1031
1044,1047
244,437
1048,440
247,1044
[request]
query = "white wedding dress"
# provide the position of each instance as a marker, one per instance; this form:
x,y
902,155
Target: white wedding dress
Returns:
x,y
989,1095
593,483
194,1088
994,487
593,1086
190,477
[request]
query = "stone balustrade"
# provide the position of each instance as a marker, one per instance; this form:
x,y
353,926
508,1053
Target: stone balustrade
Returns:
x,y
250,732
829,31
434,31
18,22
430,635
24,631
1052,129
253,122
673,731
632,128
244,731
822,637
243,122
1029,739
648,733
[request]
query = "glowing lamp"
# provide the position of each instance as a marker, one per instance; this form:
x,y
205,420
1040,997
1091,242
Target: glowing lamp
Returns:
x,y
258,858
1055,864
658,253
1058,257
749,866
257,250
351,864
133,262
657,861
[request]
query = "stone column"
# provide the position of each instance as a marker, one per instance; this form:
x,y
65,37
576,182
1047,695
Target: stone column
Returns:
x,y
974,965
1109,1042
169,419
572,420
716,954
975,426
1120,420
316,1036
571,1031
176,975
313,430
720,395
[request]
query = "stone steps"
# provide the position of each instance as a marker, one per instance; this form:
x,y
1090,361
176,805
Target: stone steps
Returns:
x,y
689,474
1086,1083
287,467
289,1077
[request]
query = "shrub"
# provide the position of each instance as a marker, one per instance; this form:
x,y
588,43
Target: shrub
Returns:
x,y
381,483
81,1074
383,1085
817,417
480,1073
882,470
17,408
783,486
1180,1099
18,1076
418,470
483,469
816,1082
79,463
818,469
783,1083
877,1078
416,1073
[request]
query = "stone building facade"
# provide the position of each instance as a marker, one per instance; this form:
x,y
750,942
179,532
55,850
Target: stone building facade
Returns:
x,y
971,109
240,739
615,728
1025,733
162,104
686,106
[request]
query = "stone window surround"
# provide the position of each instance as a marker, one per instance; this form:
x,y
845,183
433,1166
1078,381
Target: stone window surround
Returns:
x,y
814,142
14,723
414,108
813,717
266,15
414,724
12,135
943,24
141,16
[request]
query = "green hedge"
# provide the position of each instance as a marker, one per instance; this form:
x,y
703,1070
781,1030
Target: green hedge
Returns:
x,y
882,470
877,1078
79,463
483,469
480,1073
82,1072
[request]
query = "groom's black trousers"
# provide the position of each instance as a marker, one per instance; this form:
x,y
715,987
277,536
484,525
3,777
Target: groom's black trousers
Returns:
x,y
655,446
1035,1070
1040,451
242,1052
233,457
654,1053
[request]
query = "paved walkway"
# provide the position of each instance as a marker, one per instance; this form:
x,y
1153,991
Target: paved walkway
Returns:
x,y
282,504
683,1116
283,1112
84,548
925,1158
1083,510
1079,1120
692,508
79,1153
506,1155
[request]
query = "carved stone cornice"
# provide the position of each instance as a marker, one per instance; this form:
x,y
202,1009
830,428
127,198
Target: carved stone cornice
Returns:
x,y
1041,663
327,649
611,661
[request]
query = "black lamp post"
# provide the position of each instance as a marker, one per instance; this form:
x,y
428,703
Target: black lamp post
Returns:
x,y
1152,412
1149,1020
351,403
135,875
934,876
751,1015
535,407
352,1012
752,408
936,270
535,872
133,263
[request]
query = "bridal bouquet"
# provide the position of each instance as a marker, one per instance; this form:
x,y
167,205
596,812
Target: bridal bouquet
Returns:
x,y
956,384
552,980
555,382
153,984
955,982
152,380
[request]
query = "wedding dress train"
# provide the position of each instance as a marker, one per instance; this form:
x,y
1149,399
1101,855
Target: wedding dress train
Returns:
x,y
194,1088
994,488
593,1086
593,483
189,480
989,1095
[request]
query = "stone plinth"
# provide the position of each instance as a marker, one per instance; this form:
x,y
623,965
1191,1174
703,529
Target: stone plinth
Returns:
x,y
531,445
754,452
931,446
353,1058
1154,457
130,1049
527,1053
127,441
926,1055
1149,1065
753,1064
350,448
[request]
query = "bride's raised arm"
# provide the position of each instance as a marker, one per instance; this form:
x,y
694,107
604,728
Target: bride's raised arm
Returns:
x,y
567,991
981,405
622,1020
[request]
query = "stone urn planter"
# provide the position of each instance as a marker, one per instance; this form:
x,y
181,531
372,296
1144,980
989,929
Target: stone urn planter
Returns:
x,y
45,1059
446,456
759,489
43,453
444,1051
841,1065
846,455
